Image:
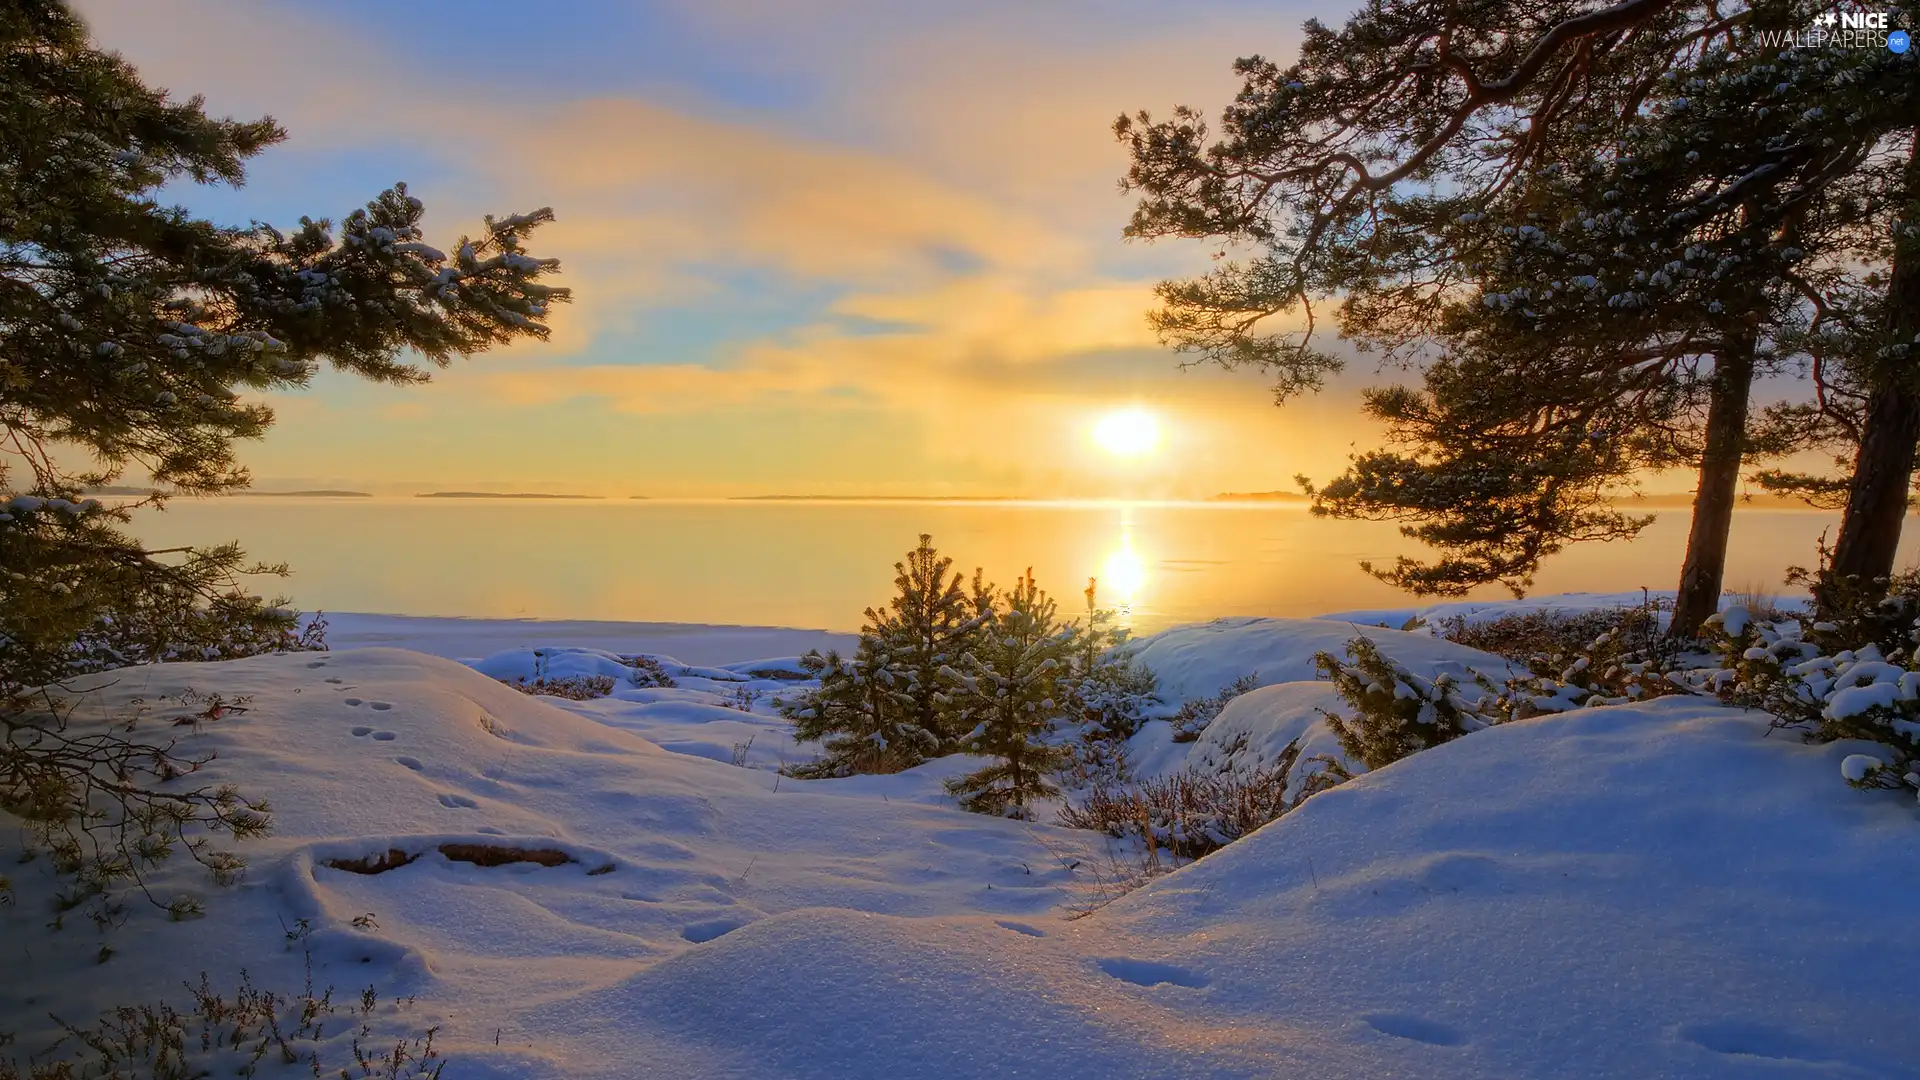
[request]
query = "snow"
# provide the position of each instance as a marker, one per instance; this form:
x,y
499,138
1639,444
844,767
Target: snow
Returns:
x,y
1855,767
1254,728
1657,889
1201,660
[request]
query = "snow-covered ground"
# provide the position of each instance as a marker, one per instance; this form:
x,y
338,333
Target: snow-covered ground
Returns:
x,y
1650,890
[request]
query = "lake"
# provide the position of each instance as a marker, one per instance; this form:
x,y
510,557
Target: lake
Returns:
x,y
819,564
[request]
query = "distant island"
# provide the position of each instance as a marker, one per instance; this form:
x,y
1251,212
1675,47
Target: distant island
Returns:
x,y
499,495
319,493
1259,496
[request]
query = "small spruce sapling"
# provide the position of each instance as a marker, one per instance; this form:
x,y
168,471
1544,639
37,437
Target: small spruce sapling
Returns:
x,y
1397,712
1017,681
1117,694
888,708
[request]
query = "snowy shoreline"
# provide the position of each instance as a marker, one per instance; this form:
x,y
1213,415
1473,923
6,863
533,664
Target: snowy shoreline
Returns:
x,y
465,638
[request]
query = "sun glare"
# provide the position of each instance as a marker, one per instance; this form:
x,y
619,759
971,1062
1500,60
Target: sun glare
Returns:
x,y
1122,576
1127,433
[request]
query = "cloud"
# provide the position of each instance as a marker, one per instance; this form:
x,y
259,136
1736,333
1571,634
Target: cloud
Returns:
x,y
943,215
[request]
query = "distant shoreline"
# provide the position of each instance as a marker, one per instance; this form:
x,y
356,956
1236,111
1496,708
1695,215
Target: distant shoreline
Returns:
x,y
322,493
499,495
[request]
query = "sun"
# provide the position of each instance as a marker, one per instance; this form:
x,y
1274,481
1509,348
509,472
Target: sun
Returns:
x,y
1127,433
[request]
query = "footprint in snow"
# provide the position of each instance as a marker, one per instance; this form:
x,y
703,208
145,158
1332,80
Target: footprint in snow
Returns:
x,y
361,731
380,706
410,762
702,932
1418,1029
335,679
318,663
1752,1040
1149,973
384,736
457,802
1021,928
353,701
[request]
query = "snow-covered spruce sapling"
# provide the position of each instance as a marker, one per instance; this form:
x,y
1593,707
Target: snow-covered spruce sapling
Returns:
x,y
1016,681
887,707
1116,694
925,627
857,713
1396,712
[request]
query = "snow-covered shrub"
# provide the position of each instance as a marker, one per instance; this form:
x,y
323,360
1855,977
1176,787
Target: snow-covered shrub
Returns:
x,y
1196,713
235,1036
571,687
648,672
1190,814
1397,712
1853,674
1527,635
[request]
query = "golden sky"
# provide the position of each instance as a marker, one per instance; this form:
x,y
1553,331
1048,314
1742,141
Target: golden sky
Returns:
x,y
816,246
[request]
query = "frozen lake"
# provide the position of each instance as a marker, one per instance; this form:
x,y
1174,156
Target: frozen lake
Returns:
x,y
819,564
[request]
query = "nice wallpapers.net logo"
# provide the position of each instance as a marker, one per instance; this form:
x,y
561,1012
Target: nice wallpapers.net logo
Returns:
x,y
1853,30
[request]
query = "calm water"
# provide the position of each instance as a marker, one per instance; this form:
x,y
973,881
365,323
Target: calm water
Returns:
x,y
817,565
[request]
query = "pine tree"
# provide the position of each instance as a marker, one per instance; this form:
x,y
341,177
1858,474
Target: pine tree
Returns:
x,y
131,335
1017,680
134,334
1358,177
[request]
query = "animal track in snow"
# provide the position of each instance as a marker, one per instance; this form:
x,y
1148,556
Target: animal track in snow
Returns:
x,y
362,730
410,762
380,706
457,802
354,701
384,736
1418,1029
1149,973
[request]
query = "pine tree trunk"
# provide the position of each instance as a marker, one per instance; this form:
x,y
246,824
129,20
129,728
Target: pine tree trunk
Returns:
x,y
1883,471
1882,477
1706,562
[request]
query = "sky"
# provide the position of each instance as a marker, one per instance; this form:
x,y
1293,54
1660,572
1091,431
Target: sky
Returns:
x,y
816,246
